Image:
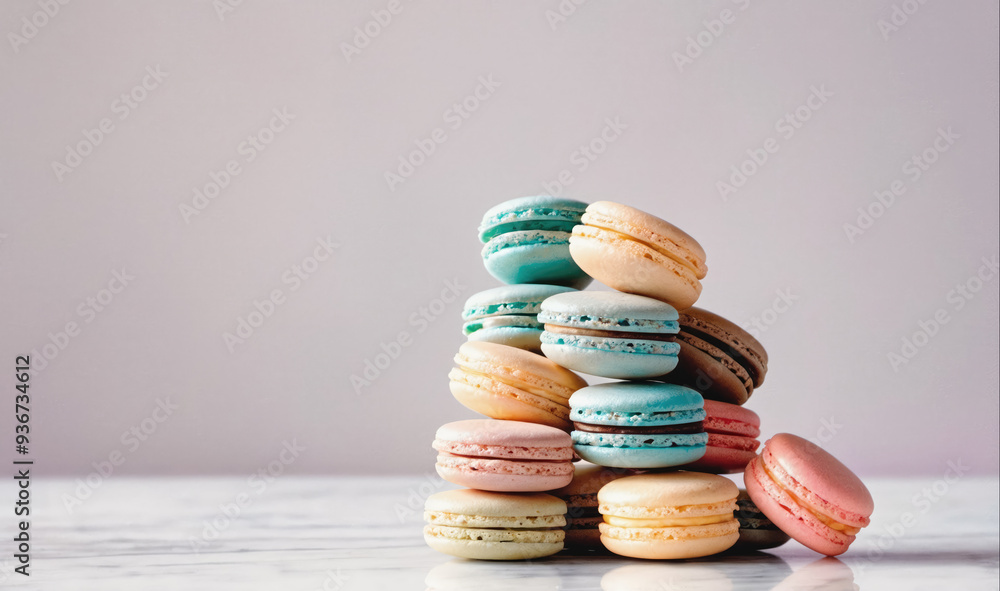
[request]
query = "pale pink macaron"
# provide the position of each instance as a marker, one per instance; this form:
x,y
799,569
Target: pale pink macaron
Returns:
x,y
732,438
808,494
504,456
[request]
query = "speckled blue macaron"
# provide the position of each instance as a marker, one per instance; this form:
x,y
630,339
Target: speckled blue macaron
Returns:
x,y
508,314
610,334
638,424
527,241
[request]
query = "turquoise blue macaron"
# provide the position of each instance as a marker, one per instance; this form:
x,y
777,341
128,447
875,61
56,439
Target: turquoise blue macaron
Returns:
x,y
610,334
508,314
638,424
527,241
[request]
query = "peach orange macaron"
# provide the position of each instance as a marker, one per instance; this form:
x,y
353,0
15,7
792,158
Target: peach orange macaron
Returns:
x,y
506,456
808,493
504,382
669,515
635,252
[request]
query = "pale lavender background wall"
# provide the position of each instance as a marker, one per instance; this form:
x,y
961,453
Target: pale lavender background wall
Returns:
x,y
853,298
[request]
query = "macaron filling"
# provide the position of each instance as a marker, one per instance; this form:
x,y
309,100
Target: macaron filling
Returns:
x,y
531,218
825,519
524,238
667,521
631,419
629,325
657,429
527,321
617,345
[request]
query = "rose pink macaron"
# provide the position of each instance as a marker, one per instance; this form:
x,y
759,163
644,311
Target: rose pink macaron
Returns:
x,y
504,456
808,493
732,438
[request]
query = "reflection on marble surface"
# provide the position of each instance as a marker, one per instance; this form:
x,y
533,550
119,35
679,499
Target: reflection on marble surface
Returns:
x,y
364,534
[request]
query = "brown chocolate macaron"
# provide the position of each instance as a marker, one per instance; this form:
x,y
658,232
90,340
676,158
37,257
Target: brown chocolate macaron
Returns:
x,y
717,358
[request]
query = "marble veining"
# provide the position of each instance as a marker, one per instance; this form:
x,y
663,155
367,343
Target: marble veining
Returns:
x,y
363,533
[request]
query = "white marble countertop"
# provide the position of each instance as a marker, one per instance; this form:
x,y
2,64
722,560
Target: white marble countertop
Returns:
x,y
348,534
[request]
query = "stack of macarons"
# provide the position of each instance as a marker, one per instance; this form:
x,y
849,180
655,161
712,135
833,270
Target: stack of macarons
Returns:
x,y
657,437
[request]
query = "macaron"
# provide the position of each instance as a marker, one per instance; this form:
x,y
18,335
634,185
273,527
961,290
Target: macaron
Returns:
x,y
506,456
732,438
718,358
505,382
635,252
757,532
527,241
669,515
638,425
808,493
610,334
494,526
582,516
508,315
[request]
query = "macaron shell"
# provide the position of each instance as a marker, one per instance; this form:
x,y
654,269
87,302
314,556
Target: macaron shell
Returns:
x,y
500,401
505,476
508,440
519,368
789,516
466,502
648,228
511,336
670,543
609,358
533,257
721,460
610,310
632,267
640,457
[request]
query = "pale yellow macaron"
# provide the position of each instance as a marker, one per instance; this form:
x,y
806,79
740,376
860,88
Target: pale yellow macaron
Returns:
x,y
494,526
504,382
635,252
669,515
